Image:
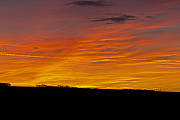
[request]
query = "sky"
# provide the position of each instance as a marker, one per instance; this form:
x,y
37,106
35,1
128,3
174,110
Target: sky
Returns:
x,y
106,44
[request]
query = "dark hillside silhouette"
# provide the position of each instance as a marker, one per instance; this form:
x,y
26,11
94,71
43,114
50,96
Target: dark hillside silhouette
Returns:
x,y
125,102
48,91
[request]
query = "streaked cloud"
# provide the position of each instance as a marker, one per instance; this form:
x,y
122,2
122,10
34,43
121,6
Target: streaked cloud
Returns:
x,y
66,42
18,55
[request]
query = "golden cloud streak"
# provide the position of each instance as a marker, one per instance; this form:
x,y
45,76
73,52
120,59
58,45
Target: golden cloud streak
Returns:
x,y
16,55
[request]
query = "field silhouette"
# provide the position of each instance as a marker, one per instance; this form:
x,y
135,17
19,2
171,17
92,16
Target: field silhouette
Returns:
x,y
44,90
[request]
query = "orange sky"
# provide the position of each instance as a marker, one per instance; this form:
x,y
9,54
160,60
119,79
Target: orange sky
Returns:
x,y
113,44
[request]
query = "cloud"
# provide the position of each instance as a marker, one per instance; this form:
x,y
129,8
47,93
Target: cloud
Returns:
x,y
169,2
17,55
89,3
150,17
119,19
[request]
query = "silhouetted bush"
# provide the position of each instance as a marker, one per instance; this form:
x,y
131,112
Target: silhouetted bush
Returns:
x,y
42,85
58,86
66,86
5,85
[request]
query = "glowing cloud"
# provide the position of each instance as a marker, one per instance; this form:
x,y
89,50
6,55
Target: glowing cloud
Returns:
x,y
104,44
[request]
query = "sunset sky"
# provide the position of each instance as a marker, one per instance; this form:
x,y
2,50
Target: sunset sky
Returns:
x,y
111,44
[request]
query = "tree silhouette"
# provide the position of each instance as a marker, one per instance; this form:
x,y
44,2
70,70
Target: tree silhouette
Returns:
x,y
42,85
5,85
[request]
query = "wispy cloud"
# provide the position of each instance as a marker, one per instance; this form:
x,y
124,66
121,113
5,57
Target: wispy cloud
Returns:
x,y
169,2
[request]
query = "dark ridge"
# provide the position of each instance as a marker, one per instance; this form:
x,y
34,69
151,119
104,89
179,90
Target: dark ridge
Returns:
x,y
49,91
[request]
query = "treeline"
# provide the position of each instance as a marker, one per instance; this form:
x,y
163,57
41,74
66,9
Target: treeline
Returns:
x,y
41,85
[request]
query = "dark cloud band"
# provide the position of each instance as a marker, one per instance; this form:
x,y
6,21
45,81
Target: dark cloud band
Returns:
x,y
118,19
89,3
